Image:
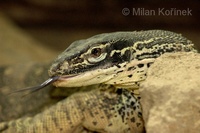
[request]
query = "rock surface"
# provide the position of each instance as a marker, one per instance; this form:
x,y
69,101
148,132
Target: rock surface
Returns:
x,y
171,94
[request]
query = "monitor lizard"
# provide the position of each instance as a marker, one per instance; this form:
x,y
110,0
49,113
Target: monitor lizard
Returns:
x,y
118,62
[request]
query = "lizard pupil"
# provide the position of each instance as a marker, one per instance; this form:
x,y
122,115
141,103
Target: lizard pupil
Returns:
x,y
96,52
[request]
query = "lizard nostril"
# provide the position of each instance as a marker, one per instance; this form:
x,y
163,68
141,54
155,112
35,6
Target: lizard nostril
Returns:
x,y
58,68
53,69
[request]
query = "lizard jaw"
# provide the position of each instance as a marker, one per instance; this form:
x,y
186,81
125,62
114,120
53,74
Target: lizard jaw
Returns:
x,y
96,76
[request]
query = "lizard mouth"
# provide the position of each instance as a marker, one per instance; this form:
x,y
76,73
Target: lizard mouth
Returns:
x,y
71,80
62,79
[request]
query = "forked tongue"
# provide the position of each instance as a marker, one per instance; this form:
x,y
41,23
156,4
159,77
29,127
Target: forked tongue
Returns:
x,y
38,87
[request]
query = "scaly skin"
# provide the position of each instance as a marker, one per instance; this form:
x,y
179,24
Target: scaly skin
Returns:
x,y
120,60
102,110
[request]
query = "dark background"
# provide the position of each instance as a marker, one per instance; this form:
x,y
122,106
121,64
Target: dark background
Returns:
x,y
57,23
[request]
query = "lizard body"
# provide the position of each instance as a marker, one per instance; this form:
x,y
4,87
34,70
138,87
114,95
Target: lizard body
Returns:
x,y
97,110
121,61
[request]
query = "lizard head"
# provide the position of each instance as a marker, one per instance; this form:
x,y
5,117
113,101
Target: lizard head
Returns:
x,y
119,58
92,61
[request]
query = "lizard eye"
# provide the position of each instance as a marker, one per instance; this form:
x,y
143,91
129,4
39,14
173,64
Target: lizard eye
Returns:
x,y
96,55
96,52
